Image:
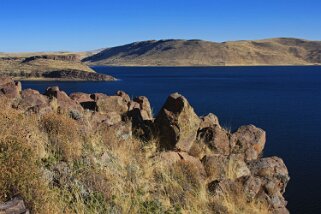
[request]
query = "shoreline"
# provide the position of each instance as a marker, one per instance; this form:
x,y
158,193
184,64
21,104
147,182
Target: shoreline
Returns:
x,y
204,66
60,80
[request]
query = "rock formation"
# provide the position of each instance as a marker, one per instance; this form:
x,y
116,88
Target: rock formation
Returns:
x,y
177,123
228,164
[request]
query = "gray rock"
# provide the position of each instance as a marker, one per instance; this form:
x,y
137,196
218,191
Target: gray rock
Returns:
x,y
15,206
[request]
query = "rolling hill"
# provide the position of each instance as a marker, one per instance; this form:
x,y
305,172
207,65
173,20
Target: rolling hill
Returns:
x,y
277,51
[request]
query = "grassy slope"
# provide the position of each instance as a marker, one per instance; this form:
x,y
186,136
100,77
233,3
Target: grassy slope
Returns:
x,y
16,65
95,172
279,51
37,66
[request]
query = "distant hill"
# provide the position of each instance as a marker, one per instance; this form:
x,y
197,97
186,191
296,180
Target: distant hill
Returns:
x,y
80,55
277,51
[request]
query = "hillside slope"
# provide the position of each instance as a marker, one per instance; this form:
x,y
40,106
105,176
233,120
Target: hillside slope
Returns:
x,y
278,51
64,66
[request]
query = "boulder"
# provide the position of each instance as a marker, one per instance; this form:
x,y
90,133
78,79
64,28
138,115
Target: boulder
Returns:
x,y
89,105
140,114
144,106
119,132
209,120
32,101
80,97
273,172
96,118
237,168
216,138
177,123
97,96
52,91
274,177
111,104
168,158
85,100
5,80
123,95
248,140
112,118
142,129
243,190
220,167
62,102
252,187
199,150
133,105
15,206
9,88
215,167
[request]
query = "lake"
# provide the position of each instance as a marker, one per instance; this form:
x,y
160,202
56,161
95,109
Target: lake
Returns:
x,y
284,101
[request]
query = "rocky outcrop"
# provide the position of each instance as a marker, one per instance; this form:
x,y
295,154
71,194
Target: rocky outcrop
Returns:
x,y
68,74
227,163
231,160
63,57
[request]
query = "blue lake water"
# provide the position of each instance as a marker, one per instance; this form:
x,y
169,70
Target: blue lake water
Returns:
x,y
284,101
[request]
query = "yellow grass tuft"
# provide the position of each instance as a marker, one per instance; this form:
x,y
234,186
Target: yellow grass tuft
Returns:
x,y
64,136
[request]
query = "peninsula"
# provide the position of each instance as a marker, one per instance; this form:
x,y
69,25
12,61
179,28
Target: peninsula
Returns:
x,y
48,66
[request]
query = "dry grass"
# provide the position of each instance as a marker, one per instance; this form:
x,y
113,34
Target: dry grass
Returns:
x,y
236,202
20,164
17,66
205,53
63,135
57,169
181,188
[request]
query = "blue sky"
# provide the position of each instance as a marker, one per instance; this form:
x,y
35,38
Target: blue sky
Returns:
x,y
77,25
